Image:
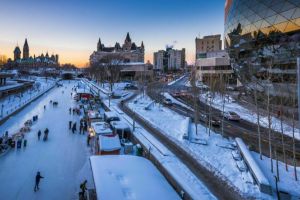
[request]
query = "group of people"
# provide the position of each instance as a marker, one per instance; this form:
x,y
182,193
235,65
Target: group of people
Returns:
x,y
46,132
74,111
82,126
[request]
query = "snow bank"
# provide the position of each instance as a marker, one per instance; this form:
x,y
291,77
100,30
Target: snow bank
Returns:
x,y
259,176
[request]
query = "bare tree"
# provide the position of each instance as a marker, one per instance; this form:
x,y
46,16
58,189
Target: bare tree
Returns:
x,y
223,81
195,91
212,86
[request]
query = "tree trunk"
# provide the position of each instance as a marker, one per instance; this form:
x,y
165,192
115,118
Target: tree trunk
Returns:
x,y
258,123
294,149
270,130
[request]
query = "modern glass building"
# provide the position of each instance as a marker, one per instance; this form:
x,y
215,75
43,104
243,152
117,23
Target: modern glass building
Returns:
x,y
263,40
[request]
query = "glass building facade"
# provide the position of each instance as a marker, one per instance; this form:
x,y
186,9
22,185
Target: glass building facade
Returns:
x,y
263,40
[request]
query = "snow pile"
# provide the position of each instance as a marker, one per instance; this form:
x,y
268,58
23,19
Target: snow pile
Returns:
x,y
160,117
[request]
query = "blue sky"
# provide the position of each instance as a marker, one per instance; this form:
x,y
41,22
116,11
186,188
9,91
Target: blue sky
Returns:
x,y
72,27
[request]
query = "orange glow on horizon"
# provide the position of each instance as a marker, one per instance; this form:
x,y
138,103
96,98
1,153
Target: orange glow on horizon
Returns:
x,y
79,58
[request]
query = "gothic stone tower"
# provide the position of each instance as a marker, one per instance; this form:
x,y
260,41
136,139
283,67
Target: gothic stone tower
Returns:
x,y
17,53
25,50
127,43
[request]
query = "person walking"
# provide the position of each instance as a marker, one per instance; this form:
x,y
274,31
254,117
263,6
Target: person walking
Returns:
x,y
74,128
39,134
81,128
24,143
85,126
46,134
70,111
37,181
83,189
70,125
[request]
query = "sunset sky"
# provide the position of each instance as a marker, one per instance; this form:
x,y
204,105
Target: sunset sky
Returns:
x,y
71,28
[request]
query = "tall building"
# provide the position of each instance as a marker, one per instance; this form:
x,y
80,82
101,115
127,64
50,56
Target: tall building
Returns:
x,y
25,50
207,44
129,52
263,41
169,59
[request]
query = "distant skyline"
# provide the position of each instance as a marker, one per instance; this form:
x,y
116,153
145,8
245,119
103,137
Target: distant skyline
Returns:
x,y
71,28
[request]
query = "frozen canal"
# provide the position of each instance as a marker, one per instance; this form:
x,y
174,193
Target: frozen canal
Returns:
x,y
60,159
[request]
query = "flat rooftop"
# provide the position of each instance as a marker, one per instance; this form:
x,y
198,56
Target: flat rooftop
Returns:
x,y
126,177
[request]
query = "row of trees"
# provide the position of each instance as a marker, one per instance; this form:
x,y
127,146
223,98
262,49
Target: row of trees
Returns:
x,y
265,55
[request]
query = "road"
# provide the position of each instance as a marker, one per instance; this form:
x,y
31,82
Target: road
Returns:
x,y
61,159
243,129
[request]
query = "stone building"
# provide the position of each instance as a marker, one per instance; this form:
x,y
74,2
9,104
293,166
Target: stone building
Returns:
x,y
129,51
29,61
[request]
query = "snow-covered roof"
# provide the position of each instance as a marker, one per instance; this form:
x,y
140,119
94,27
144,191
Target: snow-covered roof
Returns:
x,y
92,114
126,177
83,91
101,128
109,143
110,114
119,125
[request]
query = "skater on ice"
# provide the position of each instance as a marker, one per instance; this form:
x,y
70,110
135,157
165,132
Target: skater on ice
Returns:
x,y
39,134
37,181
70,125
83,189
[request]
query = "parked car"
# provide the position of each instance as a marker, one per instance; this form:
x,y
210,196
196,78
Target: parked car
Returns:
x,y
176,94
229,115
167,101
214,121
130,87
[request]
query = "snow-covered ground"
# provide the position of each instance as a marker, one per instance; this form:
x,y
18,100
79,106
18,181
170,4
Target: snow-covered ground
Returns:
x,y
15,101
213,156
189,182
62,160
248,115
287,181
